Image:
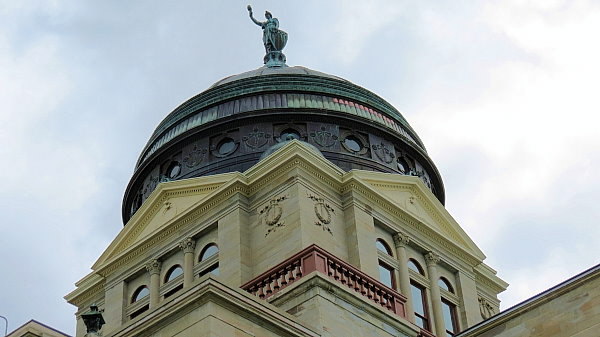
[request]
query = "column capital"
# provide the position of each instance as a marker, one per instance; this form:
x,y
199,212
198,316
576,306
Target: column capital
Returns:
x,y
153,267
187,245
401,239
432,258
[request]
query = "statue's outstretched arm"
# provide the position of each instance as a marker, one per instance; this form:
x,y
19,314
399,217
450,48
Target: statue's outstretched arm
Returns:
x,y
252,17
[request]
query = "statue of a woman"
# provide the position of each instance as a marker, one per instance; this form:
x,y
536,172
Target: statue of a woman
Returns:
x,y
273,38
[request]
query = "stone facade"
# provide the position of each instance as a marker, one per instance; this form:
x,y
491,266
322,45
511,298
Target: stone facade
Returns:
x,y
159,277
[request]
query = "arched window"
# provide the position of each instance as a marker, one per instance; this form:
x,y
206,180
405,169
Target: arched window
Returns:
x,y
383,247
415,266
175,271
445,284
140,293
208,251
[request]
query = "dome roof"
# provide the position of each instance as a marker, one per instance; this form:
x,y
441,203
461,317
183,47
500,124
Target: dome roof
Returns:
x,y
266,71
228,126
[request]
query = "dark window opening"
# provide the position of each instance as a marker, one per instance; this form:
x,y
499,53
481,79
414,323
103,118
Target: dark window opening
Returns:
x,y
173,291
214,269
139,311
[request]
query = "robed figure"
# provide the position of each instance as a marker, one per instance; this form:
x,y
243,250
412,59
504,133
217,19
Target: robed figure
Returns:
x,y
274,39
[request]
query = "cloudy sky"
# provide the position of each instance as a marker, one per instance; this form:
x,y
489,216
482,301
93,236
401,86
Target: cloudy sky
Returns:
x,y
505,95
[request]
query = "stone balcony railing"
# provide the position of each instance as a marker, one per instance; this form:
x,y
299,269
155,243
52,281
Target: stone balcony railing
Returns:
x,y
315,259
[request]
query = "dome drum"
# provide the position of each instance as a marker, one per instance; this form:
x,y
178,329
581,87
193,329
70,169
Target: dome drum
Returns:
x,y
229,126
236,143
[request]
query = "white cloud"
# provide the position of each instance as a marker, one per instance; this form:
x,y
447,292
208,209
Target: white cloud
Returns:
x,y
357,21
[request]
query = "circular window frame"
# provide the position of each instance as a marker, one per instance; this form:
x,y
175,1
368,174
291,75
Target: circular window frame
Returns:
x,y
219,142
363,142
174,164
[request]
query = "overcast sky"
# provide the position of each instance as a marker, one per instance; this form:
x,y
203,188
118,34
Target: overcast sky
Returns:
x,y
505,96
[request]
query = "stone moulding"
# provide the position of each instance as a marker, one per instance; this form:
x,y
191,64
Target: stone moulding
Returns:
x,y
315,259
211,290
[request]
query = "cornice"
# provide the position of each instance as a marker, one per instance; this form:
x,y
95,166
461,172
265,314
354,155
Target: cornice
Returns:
x,y
149,209
86,293
356,185
531,303
212,290
200,210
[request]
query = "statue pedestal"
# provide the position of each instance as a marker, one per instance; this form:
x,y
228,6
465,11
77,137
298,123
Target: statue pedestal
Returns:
x,y
275,59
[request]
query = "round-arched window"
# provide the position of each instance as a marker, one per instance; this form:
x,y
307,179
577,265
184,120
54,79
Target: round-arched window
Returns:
x,y
415,266
289,134
140,293
175,271
445,284
226,146
208,251
383,247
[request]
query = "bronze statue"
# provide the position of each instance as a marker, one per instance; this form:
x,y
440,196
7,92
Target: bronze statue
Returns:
x,y
274,39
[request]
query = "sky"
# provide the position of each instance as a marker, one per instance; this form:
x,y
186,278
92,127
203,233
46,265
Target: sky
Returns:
x,y
504,94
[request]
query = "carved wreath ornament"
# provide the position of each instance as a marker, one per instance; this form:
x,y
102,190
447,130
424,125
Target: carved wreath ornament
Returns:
x,y
323,212
271,214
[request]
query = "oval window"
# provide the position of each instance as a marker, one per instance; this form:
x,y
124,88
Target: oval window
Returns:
x,y
226,146
353,144
174,170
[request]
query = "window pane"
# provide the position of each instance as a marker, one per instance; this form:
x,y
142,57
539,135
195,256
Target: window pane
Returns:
x,y
415,267
449,314
209,251
385,276
417,297
174,273
382,247
140,293
444,284
420,322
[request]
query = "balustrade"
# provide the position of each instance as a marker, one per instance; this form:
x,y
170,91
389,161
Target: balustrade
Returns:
x,y
313,259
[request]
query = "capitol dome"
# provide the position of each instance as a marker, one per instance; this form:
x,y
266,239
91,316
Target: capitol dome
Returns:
x,y
228,127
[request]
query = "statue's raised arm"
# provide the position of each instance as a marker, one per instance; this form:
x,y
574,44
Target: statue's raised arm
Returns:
x,y
274,39
253,19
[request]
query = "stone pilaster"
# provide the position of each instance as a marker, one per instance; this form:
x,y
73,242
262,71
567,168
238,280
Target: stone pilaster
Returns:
x,y
153,267
432,259
188,246
401,241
